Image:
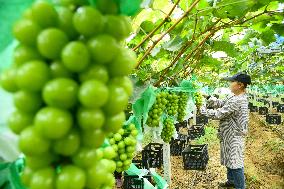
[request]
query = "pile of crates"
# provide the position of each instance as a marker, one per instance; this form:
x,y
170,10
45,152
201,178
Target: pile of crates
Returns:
x,y
195,157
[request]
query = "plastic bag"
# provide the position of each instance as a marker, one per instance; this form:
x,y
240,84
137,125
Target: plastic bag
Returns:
x,y
149,97
9,151
133,170
10,175
143,105
160,181
148,185
6,108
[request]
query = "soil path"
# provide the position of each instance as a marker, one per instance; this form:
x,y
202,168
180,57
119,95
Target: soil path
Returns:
x,y
264,163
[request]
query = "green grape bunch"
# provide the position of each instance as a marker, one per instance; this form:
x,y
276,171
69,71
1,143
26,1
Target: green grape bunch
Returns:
x,y
168,130
183,99
198,100
172,106
157,109
70,85
124,143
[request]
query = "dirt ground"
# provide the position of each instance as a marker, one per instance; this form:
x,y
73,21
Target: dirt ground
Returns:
x,y
264,163
264,160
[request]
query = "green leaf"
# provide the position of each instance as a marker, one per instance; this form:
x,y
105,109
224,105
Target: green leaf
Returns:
x,y
273,6
203,4
233,8
268,36
177,68
147,26
209,61
155,51
280,68
183,4
250,34
278,28
260,4
225,46
260,23
174,44
260,26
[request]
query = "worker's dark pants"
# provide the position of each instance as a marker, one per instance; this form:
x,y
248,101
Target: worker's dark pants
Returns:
x,y
237,177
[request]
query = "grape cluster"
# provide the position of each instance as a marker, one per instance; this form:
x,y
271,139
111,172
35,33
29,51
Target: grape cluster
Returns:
x,y
183,98
70,85
124,143
157,109
168,130
198,99
172,106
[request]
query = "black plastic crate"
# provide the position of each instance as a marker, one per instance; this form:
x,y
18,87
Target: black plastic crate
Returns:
x,y
138,163
134,182
184,137
275,104
266,103
280,108
196,131
263,110
152,155
179,144
273,119
253,109
201,119
195,157
181,125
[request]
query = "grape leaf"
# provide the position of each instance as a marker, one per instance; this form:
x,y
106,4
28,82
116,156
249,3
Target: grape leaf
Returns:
x,y
225,46
233,8
174,44
202,4
177,68
183,4
155,51
250,34
278,28
268,36
209,61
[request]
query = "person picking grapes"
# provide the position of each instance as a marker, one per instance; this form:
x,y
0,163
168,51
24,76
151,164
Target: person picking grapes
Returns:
x,y
234,116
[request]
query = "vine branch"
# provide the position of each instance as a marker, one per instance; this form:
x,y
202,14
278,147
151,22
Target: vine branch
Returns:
x,y
158,27
168,30
185,47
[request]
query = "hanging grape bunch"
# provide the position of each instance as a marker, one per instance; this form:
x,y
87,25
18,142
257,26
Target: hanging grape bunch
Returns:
x,y
183,98
70,85
198,98
172,106
157,109
168,130
124,143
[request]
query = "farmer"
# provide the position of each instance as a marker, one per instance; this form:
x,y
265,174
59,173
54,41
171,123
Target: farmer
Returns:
x,y
233,115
